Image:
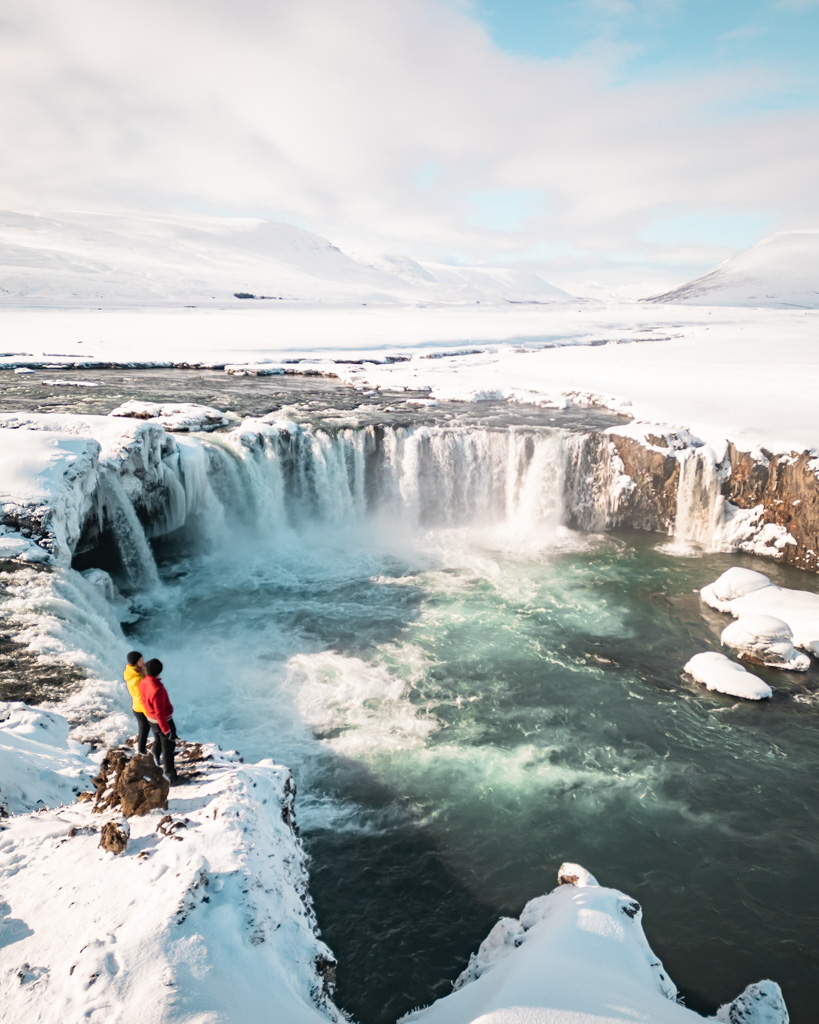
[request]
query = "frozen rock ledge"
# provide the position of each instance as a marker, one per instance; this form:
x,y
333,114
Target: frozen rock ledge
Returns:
x,y
193,914
579,956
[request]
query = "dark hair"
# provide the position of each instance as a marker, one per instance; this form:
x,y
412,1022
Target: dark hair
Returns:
x,y
153,667
132,657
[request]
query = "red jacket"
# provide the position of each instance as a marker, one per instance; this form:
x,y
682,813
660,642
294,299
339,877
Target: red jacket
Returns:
x,y
154,697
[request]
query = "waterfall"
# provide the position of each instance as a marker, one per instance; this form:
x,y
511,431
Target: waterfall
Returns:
x,y
261,479
132,545
700,504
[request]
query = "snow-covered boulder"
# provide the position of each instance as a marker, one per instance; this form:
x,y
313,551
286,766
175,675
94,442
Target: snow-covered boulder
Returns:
x,y
39,765
764,640
576,955
734,583
716,672
760,1003
745,592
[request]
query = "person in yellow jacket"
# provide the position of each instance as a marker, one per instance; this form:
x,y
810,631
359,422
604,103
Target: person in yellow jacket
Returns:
x,y
134,673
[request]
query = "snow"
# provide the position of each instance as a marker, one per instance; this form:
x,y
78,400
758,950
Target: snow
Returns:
x,y
734,583
39,764
203,917
764,639
709,370
186,416
576,956
716,672
782,270
51,476
83,258
742,592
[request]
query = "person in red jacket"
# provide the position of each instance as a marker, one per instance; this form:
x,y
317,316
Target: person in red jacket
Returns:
x,y
159,712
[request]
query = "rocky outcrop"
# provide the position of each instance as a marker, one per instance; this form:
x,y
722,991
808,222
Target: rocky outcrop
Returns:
x,y
652,503
787,488
134,784
114,838
764,503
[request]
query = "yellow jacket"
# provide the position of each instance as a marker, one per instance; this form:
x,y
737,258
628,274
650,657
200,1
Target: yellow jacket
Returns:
x,y
133,677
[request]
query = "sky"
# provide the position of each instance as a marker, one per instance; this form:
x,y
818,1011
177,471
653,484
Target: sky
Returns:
x,y
618,143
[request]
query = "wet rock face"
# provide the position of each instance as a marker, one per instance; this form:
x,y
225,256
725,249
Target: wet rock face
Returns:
x,y
134,784
788,489
652,504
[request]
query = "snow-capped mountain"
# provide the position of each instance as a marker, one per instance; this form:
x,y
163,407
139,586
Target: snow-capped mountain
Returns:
x,y
780,271
123,259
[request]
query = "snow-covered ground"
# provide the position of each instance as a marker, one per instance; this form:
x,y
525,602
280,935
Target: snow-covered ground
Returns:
x,y
748,376
39,764
202,917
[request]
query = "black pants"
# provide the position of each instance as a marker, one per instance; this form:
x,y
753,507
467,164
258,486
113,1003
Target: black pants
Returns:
x,y
164,746
143,728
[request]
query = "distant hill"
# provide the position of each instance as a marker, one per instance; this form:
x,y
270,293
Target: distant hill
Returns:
x,y
780,271
110,259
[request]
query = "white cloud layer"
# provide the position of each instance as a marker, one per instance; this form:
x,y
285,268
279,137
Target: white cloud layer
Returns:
x,y
377,124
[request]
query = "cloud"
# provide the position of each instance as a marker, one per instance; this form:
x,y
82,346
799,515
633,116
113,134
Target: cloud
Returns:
x,y
376,124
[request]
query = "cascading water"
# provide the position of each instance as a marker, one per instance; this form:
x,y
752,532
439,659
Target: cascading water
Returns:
x,y
467,699
700,504
129,536
422,476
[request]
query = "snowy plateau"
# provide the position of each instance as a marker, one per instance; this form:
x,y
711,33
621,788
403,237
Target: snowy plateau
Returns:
x,y
717,380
